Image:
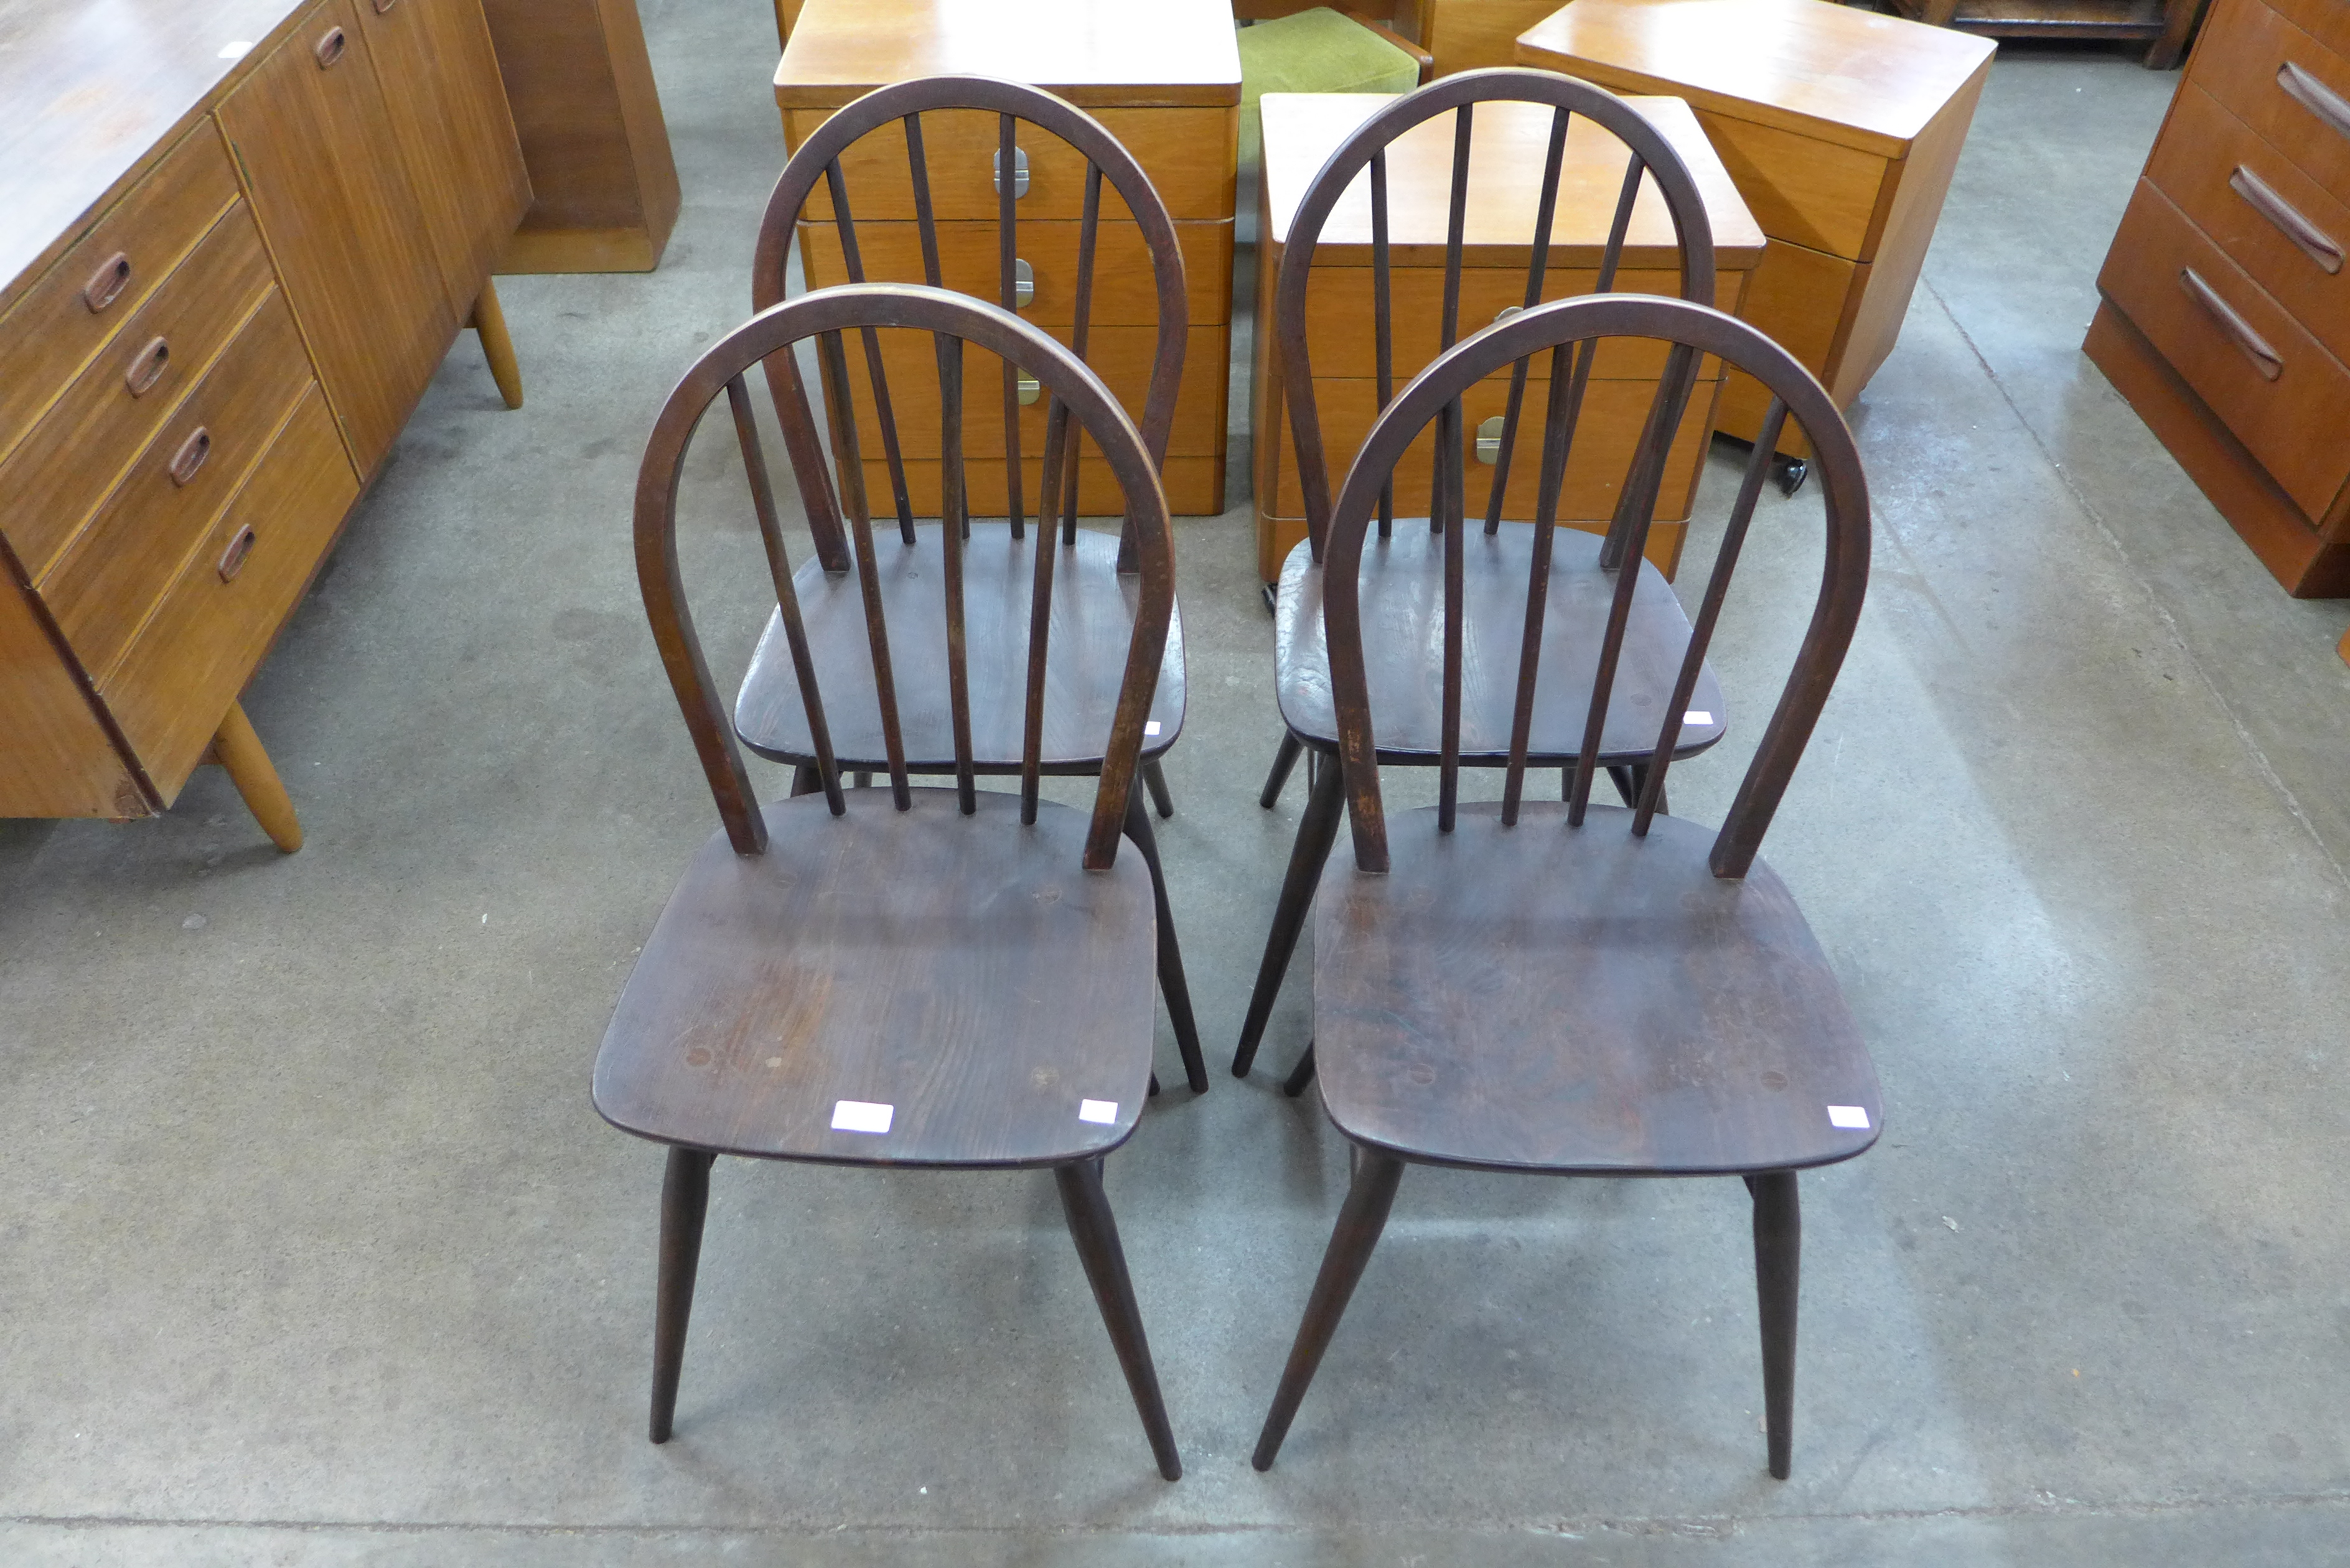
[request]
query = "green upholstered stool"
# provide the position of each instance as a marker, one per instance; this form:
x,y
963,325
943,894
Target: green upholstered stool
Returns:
x,y
1314,51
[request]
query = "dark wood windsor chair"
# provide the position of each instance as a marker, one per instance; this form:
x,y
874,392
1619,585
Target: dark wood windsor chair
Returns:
x,y
1574,989
937,977
1419,581
1094,582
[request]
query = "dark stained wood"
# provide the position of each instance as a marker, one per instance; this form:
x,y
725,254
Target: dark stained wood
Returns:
x,y
1096,1234
1592,991
685,1204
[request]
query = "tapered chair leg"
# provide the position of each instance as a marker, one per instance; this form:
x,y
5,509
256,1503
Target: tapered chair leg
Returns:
x,y
1301,1074
1282,761
1155,781
1316,831
1171,984
1361,1221
685,1201
1096,1234
489,323
1778,1256
806,780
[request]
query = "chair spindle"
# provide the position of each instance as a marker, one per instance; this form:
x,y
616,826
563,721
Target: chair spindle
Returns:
x,y
1382,310
852,261
1560,408
954,528
1449,326
1007,264
1537,268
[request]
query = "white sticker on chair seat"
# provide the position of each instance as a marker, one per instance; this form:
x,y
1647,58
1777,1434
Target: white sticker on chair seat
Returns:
x,y
1697,716
1152,728
861,1115
1102,1111
1847,1116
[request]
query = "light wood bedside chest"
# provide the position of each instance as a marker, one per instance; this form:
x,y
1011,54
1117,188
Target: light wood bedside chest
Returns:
x,y
1167,86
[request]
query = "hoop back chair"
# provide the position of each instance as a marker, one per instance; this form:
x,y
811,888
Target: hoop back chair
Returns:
x,y
938,977
1573,988
1420,575
1096,578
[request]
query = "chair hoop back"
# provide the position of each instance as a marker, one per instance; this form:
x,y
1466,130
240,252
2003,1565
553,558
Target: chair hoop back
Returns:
x,y
819,160
1562,326
1365,148
952,320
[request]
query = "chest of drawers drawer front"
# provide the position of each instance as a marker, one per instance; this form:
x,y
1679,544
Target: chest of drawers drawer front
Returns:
x,y
1194,485
2280,226
2327,21
1186,154
73,457
2284,85
2283,396
1125,293
1802,189
84,298
117,568
189,660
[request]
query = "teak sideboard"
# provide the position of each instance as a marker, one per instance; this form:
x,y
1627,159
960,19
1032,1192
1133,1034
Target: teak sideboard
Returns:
x,y
240,236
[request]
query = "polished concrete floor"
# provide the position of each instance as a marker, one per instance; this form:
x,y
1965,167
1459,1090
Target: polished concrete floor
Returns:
x,y
313,1251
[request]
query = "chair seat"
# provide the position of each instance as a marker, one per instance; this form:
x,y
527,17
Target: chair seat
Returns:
x,y
1403,644
1606,1007
963,970
1093,620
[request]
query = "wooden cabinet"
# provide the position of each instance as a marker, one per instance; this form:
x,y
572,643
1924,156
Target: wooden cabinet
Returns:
x,y
2225,316
1170,94
1507,159
1471,35
2163,25
227,303
1841,127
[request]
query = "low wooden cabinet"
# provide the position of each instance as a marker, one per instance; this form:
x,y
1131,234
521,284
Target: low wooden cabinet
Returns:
x,y
2225,310
221,308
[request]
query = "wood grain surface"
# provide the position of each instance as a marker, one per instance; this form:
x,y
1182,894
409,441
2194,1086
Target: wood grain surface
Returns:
x,y
60,759
1087,51
1125,294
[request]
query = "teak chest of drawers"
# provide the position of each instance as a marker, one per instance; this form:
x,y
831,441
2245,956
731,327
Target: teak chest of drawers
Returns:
x,y
2225,316
1168,86
229,274
1841,127
1507,151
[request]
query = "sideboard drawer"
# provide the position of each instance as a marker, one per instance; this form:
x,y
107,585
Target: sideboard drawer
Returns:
x,y
2276,222
2283,396
118,566
2328,21
87,294
1125,294
189,662
2282,84
91,433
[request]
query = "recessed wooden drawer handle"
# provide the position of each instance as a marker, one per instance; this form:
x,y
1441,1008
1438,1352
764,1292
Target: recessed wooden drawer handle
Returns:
x,y
147,368
106,284
191,455
2265,359
232,559
2262,199
330,49
2316,97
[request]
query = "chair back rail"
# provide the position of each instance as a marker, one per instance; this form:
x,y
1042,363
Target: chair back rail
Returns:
x,y
770,339
1650,157
905,103
1568,327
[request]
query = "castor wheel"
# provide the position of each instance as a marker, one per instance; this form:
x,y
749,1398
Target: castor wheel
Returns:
x,y
1790,473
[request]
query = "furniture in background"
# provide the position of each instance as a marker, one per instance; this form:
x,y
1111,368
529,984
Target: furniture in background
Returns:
x,y
2165,26
1579,989
890,389
1841,127
1170,90
1473,35
233,261
1507,182
1320,50
1595,195
591,122
935,978
2225,314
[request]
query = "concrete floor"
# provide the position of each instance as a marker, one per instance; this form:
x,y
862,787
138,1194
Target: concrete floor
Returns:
x,y
314,1252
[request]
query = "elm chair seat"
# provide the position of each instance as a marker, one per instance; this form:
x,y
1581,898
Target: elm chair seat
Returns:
x,y
1081,682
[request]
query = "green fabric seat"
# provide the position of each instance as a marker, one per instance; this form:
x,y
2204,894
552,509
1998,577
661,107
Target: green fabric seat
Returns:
x,y
1314,51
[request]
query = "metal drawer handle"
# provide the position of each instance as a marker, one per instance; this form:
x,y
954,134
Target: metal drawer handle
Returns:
x,y
1019,173
384,5
191,455
1024,284
2314,241
2316,97
147,368
330,49
1029,388
1506,312
106,284
2265,359
231,560
1489,436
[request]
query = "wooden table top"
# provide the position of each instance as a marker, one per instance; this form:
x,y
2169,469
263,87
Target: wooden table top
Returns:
x,y
93,91
1507,150
1822,70
1097,53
